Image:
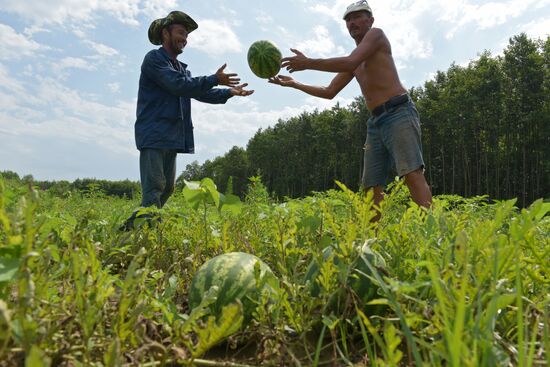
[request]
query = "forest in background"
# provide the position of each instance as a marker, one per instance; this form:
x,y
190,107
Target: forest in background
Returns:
x,y
485,126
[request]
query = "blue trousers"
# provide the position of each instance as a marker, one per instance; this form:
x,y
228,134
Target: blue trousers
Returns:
x,y
157,169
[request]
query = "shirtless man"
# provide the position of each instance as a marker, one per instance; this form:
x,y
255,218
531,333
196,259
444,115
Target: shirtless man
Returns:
x,y
393,131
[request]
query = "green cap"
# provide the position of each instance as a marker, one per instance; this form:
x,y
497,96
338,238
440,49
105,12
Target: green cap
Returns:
x,y
175,17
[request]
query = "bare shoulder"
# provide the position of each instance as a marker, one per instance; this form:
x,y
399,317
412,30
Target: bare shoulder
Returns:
x,y
376,33
377,37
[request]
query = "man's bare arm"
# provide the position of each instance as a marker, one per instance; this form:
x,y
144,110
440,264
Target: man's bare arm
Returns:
x,y
372,41
328,92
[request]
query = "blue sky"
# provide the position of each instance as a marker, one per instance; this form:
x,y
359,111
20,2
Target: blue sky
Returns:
x,y
69,69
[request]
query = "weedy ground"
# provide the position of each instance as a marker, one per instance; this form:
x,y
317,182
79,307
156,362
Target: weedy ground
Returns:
x,y
466,283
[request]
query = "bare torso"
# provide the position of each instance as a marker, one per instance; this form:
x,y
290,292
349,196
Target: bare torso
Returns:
x,y
377,76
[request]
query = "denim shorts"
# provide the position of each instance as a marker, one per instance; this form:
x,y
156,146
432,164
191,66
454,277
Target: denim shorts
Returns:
x,y
393,142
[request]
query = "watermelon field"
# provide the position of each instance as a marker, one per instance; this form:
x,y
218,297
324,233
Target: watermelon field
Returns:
x,y
466,283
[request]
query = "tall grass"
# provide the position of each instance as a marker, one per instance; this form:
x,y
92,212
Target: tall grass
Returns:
x,y
466,283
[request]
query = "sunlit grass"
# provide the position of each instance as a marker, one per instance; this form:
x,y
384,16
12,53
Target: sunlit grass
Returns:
x,y
466,283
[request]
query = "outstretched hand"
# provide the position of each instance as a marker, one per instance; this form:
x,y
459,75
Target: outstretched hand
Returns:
x,y
282,80
295,63
239,90
230,80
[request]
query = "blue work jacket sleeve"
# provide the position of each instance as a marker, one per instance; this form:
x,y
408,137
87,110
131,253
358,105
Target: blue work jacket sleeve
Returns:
x,y
158,68
215,96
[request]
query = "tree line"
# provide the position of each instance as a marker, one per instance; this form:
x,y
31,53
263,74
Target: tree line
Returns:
x,y
123,188
485,126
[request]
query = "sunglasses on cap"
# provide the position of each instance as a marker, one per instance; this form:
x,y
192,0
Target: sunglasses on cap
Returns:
x,y
361,2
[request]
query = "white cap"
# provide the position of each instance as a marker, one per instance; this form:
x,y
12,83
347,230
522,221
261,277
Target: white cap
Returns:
x,y
357,6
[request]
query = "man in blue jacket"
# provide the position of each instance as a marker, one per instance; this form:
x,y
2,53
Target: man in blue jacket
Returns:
x,y
163,126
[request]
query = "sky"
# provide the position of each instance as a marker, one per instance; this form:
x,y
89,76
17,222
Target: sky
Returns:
x,y
69,69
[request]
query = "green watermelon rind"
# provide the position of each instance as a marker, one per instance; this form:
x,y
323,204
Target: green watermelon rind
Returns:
x,y
264,59
357,281
233,274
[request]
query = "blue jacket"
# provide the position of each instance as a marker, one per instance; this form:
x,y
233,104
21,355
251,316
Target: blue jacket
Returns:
x,y
164,102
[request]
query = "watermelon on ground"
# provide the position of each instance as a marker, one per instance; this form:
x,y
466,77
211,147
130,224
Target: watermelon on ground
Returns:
x,y
363,287
233,274
264,59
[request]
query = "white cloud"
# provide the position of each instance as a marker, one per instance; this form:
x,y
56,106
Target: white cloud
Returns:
x,y
321,104
230,11
63,12
125,11
245,115
265,22
459,14
114,87
158,8
46,12
101,49
400,21
220,127
104,58
409,45
335,11
215,37
9,84
30,31
539,28
72,63
283,32
264,18
321,44
45,109
73,103
14,45
405,22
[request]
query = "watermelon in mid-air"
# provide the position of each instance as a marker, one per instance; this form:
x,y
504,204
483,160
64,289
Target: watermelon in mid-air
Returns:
x,y
234,275
264,59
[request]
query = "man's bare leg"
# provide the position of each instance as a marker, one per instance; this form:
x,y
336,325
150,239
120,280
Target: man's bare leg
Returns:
x,y
378,196
418,187
420,191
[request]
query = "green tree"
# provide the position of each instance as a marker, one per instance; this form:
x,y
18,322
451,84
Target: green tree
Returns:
x,y
525,119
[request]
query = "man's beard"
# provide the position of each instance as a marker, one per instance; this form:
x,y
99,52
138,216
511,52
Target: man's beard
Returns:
x,y
175,47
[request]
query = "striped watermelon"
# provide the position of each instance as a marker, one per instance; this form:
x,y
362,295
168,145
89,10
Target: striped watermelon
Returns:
x,y
264,59
233,273
363,287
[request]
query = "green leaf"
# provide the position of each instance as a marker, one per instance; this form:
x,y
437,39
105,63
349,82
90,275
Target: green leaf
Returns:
x,y
37,358
4,221
310,224
540,209
8,268
211,188
330,321
194,197
112,356
5,325
202,309
229,323
231,203
11,252
379,301
505,300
